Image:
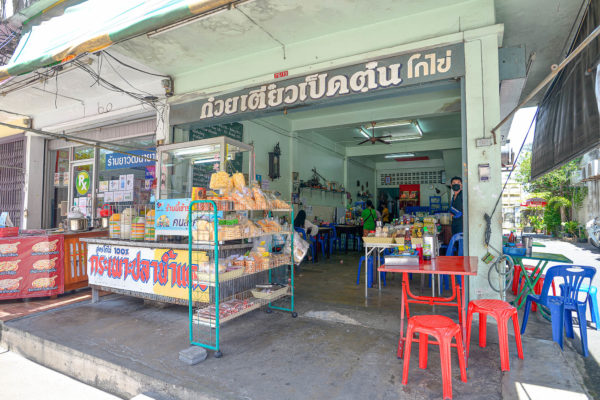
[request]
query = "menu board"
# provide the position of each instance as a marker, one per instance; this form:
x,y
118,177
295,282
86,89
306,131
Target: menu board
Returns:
x,y
202,172
31,266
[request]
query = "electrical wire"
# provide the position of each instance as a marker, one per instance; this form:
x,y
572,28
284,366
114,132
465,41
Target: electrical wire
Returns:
x,y
132,67
488,218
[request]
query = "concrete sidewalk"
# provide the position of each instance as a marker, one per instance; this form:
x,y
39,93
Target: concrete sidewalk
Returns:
x,y
340,347
24,379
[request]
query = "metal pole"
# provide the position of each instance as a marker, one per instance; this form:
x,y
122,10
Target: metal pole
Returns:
x,y
555,70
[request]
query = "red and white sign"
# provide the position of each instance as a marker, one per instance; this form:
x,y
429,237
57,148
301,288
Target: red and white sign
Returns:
x,y
281,74
31,266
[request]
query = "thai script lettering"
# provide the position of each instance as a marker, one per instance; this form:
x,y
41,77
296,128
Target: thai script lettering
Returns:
x,y
430,64
144,270
314,87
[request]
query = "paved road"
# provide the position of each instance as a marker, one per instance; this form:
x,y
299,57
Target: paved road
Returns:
x,y
24,379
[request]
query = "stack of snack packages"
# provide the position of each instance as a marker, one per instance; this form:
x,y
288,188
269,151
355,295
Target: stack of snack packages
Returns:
x,y
262,258
235,196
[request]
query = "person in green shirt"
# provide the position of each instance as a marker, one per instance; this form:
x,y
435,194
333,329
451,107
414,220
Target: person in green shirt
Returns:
x,y
369,216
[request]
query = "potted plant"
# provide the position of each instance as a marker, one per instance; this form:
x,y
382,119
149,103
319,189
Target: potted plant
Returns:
x,y
537,223
582,234
570,230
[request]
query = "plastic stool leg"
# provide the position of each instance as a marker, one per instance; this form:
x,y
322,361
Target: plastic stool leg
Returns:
x,y
583,329
461,359
515,282
503,342
515,319
370,272
569,324
557,315
362,259
482,329
526,315
446,366
469,322
407,345
593,302
423,344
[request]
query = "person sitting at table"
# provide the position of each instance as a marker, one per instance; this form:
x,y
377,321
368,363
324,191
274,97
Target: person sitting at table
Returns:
x,y
369,216
301,222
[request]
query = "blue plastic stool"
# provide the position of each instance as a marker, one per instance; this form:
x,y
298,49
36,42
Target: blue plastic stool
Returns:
x,y
370,267
369,271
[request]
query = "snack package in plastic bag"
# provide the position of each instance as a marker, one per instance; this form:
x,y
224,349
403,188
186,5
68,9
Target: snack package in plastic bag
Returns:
x,y
239,182
259,198
301,247
220,180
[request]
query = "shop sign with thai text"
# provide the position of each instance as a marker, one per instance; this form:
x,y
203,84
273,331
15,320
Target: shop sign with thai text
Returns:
x,y
161,272
171,216
403,70
135,158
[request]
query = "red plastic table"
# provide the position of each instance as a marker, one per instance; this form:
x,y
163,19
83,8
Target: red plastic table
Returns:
x,y
446,265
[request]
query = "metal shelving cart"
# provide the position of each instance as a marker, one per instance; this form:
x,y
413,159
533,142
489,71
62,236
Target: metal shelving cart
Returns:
x,y
226,294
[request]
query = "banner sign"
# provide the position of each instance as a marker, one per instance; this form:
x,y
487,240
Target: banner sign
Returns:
x,y
31,266
118,160
162,272
403,70
171,217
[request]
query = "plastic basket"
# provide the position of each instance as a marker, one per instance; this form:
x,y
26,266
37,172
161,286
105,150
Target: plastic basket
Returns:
x,y
514,251
378,240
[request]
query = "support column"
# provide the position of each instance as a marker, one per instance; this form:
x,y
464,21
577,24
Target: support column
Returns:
x,y
482,103
34,182
346,186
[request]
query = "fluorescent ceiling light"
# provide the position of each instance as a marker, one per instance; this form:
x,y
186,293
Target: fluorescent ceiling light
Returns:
x,y
364,132
400,155
206,161
393,124
195,150
416,123
209,160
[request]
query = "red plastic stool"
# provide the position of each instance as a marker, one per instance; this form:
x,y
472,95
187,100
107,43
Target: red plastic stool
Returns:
x,y
516,283
443,329
502,312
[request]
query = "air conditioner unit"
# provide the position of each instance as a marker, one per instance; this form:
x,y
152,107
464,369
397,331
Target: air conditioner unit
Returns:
x,y
593,169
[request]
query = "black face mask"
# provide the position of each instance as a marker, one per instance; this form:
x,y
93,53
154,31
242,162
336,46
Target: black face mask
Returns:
x,y
456,187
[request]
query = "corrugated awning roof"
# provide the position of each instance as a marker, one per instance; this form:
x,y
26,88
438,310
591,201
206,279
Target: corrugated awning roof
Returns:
x,y
96,24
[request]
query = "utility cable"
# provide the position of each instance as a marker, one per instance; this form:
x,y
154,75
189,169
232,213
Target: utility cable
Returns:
x,y
132,67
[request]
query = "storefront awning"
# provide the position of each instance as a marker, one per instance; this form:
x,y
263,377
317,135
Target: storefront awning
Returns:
x,y
94,25
568,120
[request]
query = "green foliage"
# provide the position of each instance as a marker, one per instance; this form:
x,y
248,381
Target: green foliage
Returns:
x,y
571,227
537,222
557,202
552,220
555,184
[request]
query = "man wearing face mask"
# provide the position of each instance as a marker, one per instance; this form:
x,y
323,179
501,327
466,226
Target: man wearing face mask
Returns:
x,y
456,205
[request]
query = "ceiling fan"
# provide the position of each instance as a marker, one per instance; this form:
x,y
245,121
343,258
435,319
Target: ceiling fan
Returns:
x,y
373,139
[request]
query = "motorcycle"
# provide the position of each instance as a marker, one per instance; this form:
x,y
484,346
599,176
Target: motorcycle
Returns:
x,y
593,231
